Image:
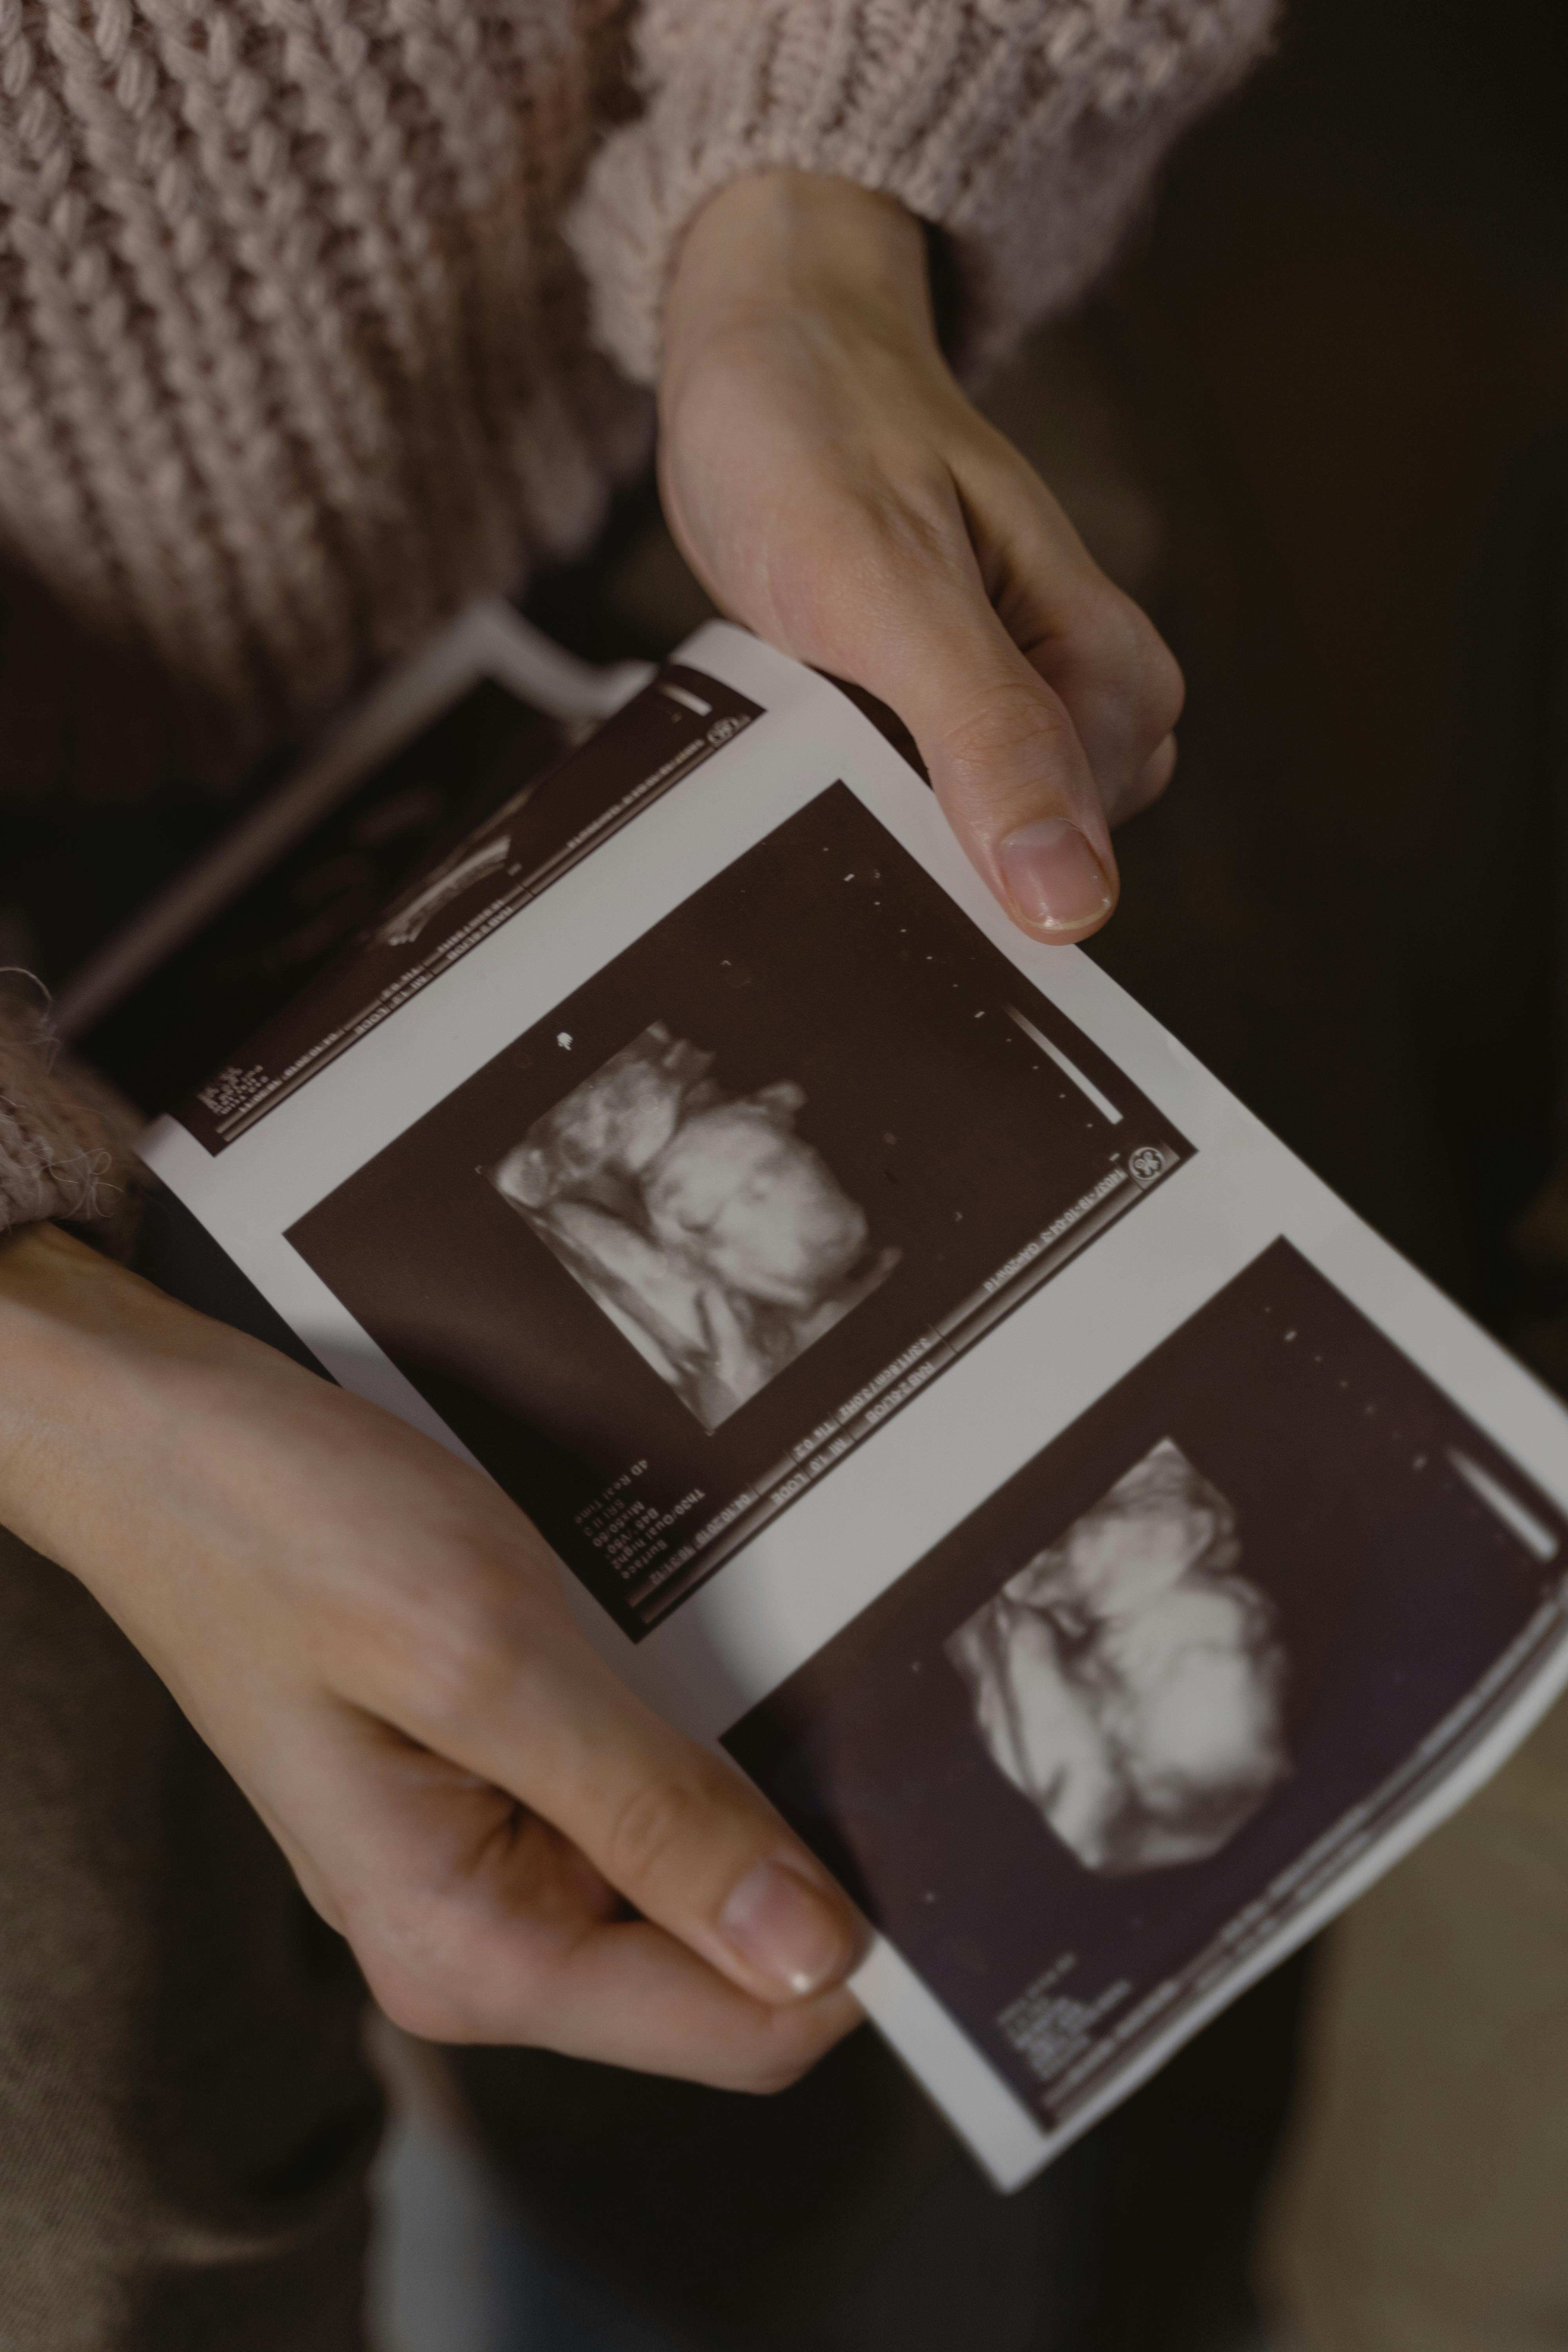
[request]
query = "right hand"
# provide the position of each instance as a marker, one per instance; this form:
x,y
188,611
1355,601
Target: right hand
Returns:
x,y
374,1642
833,488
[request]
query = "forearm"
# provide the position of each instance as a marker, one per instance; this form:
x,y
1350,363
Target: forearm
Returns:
x,y
61,1309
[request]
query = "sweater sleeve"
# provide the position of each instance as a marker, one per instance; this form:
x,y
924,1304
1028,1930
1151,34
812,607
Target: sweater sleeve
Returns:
x,y
1027,130
60,1153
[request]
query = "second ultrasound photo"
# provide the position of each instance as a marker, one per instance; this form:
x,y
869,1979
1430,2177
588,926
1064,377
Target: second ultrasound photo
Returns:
x,y
691,1239
1121,1725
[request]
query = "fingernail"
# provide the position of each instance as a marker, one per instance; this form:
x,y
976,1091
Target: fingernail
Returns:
x,y
782,1925
1053,877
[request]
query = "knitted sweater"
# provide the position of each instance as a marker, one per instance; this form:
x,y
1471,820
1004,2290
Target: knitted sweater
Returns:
x,y
318,316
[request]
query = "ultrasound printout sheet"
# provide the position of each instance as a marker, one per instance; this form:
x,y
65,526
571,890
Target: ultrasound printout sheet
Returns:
x,y
942,1396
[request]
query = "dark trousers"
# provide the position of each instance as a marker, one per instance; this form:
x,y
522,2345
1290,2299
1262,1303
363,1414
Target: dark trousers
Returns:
x,y
185,2113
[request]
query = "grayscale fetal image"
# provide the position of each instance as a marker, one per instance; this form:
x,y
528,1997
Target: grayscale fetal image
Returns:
x,y
1129,1681
1112,1737
715,1239
701,1228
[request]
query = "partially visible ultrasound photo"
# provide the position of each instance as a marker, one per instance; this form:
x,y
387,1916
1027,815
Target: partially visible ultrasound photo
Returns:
x,y
1129,1681
411,917
715,1239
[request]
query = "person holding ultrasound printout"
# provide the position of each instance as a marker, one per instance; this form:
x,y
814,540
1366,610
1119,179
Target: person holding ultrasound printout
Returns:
x,y
270,485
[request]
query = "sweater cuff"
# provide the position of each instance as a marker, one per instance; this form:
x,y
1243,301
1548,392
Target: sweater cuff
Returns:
x,y
60,1153
1026,130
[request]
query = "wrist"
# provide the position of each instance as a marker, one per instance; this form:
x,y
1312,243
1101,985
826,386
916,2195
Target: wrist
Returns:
x,y
94,1364
793,246
57,1293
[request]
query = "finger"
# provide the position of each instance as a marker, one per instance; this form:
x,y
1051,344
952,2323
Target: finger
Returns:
x,y
1003,755
634,1996
475,1921
1156,775
622,1993
1117,678
1124,693
529,1708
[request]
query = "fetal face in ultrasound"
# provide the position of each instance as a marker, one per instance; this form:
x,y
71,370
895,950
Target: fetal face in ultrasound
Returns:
x,y
1126,1721
1129,1680
712,1235
696,1234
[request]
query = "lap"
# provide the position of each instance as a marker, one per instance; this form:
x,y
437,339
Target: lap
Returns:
x,y
1424,2204
184,2112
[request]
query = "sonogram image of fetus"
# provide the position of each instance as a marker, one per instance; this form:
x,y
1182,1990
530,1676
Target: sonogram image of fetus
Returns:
x,y
1130,1680
715,1239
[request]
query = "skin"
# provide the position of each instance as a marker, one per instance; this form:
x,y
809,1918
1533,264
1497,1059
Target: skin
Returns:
x,y
367,1632
834,489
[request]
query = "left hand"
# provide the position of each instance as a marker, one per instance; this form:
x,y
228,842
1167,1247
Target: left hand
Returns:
x,y
834,489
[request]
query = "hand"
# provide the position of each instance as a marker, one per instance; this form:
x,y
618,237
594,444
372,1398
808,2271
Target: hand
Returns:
x,y
374,1642
834,489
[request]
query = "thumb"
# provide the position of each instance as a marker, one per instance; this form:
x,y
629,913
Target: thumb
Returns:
x,y
675,1830
1000,745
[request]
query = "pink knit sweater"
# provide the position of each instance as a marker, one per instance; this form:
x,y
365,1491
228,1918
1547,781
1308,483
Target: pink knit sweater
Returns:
x,y
318,315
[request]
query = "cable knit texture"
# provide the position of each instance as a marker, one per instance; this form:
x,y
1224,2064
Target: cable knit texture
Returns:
x,y
318,316
1027,130
60,1155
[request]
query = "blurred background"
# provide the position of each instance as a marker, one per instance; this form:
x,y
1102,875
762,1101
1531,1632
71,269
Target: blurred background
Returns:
x,y
1317,422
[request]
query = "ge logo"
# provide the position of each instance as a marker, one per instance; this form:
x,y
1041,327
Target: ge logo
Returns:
x,y
1146,1164
722,729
